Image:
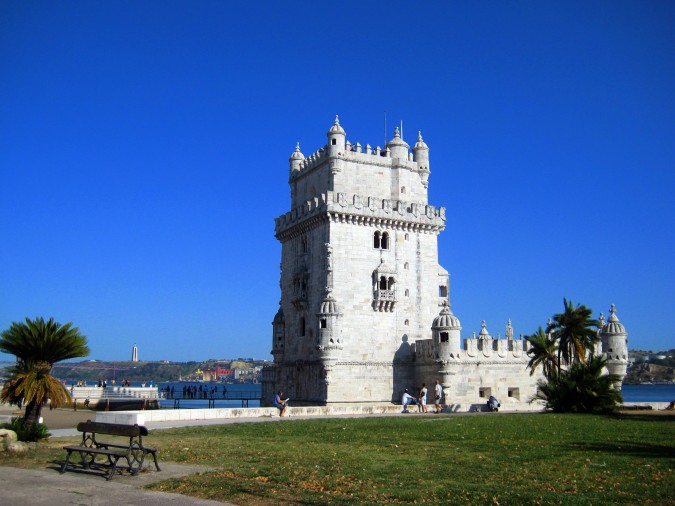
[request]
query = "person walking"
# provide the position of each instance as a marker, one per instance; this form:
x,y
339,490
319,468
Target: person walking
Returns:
x,y
438,391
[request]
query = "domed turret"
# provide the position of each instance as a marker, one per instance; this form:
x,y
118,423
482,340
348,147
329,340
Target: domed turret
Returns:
x,y
279,333
421,151
336,139
296,158
398,147
330,342
445,333
615,345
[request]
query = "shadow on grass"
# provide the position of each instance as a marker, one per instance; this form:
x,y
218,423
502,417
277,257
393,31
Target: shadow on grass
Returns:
x,y
657,416
650,451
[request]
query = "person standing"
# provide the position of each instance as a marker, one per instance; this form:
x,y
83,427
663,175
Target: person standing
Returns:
x,y
438,396
422,406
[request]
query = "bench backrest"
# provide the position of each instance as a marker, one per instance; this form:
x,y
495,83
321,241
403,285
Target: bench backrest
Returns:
x,y
113,429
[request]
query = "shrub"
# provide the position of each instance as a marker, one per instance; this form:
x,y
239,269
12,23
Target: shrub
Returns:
x,y
27,432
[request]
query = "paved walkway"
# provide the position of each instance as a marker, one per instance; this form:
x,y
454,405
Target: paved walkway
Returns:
x,y
30,487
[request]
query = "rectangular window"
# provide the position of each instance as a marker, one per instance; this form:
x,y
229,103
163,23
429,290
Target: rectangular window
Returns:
x,y
514,392
442,291
323,323
484,392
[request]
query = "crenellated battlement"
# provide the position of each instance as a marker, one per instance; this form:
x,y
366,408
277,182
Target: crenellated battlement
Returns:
x,y
474,349
354,153
366,211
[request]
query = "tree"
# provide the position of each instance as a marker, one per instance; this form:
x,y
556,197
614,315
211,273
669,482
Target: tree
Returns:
x,y
542,352
38,345
575,333
583,388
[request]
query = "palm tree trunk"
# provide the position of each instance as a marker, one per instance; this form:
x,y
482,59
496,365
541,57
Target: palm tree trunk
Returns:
x,y
32,414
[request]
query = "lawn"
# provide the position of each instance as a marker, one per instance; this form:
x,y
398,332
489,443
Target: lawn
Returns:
x,y
458,459
505,459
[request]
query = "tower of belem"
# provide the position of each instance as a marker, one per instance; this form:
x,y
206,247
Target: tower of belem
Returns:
x,y
365,308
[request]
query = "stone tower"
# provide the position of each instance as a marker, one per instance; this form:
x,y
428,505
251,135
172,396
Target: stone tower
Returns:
x,y
360,280
614,340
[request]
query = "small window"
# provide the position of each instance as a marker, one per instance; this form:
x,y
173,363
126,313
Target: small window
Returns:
x,y
383,283
302,326
407,293
514,392
442,291
406,323
323,323
385,240
333,142
403,190
376,240
405,266
407,237
484,392
445,337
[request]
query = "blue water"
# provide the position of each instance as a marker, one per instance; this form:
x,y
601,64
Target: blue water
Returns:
x,y
232,389
648,393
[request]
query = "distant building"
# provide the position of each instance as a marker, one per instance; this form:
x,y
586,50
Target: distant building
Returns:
x,y
134,353
365,306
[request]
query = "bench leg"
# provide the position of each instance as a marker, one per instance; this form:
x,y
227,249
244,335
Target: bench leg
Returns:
x,y
154,456
65,464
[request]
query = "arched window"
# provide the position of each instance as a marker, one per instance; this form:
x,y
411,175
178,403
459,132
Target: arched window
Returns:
x,y
385,240
390,283
376,240
302,326
383,283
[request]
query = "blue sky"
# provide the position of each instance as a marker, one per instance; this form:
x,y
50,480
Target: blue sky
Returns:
x,y
144,156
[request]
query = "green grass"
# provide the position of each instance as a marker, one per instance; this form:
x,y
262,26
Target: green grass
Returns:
x,y
434,459
513,459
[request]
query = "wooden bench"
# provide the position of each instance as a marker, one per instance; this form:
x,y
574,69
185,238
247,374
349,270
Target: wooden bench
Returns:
x,y
133,451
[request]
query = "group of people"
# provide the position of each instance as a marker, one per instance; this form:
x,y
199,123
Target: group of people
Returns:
x,y
421,400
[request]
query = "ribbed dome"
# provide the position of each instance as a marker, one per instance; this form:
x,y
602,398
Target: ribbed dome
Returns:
x,y
329,306
297,155
484,334
279,317
397,141
336,128
446,320
613,325
420,144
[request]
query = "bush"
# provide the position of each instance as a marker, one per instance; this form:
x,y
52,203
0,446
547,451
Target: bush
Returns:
x,y
584,388
29,433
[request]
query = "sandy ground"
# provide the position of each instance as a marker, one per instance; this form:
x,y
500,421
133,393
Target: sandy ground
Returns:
x,y
61,418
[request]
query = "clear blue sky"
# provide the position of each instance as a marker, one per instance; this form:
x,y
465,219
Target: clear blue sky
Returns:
x,y
144,156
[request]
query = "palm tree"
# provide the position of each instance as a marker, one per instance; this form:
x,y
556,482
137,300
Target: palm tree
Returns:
x,y
583,388
38,345
542,352
575,332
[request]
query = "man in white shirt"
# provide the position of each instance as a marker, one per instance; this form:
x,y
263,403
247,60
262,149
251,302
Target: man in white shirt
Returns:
x,y
438,397
407,400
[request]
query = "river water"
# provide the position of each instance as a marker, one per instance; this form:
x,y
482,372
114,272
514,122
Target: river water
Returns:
x,y
631,393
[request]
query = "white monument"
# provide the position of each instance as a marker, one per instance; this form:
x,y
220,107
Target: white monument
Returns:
x,y
365,306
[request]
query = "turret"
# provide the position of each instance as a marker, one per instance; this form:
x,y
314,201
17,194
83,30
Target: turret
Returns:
x,y
445,333
296,159
397,147
330,339
421,152
615,346
336,139
278,335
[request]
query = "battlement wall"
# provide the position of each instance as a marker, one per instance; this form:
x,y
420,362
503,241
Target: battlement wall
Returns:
x,y
365,210
474,348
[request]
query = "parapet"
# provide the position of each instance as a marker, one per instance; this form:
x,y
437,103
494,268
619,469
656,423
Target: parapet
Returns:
x,y
365,210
